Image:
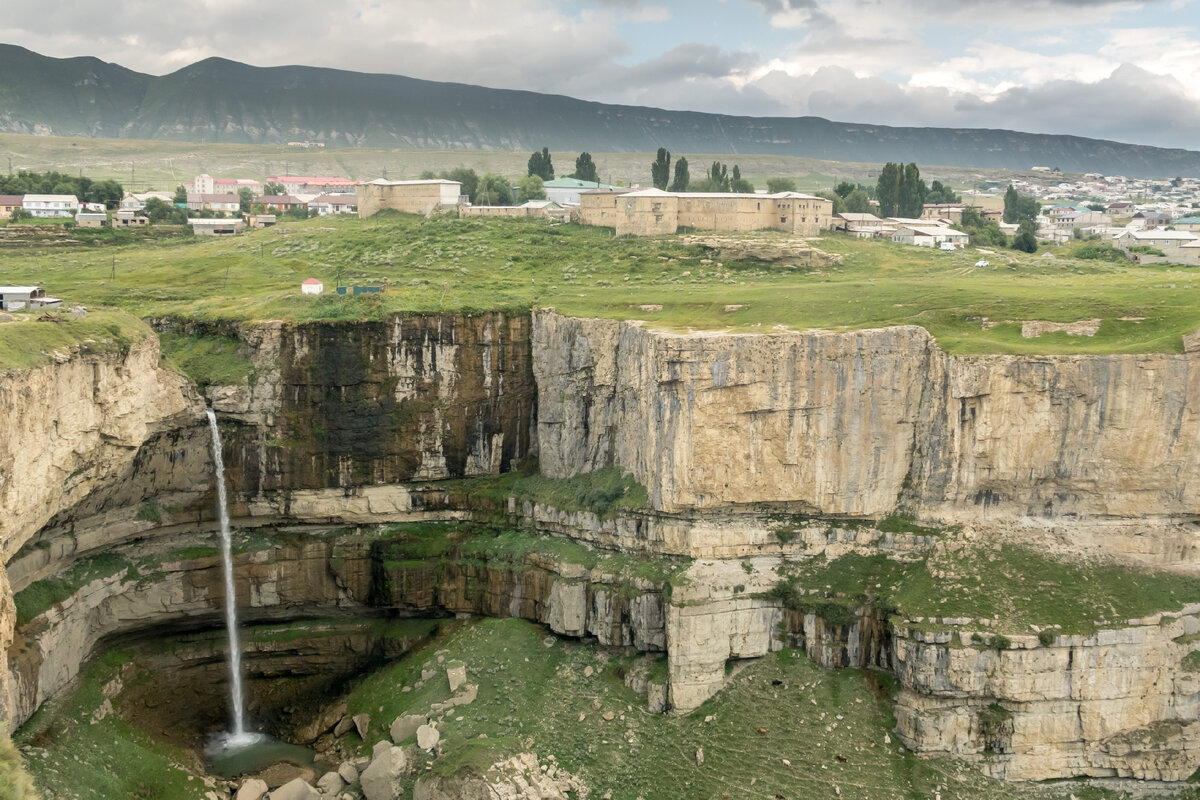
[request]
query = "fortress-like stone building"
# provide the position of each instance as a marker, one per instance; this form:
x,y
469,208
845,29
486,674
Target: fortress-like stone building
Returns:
x,y
647,212
411,197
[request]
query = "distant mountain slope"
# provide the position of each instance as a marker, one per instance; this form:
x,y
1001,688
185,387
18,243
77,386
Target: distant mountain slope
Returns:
x,y
216,100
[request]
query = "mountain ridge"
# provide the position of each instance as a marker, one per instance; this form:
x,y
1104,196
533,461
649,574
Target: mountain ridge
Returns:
x,y
221,100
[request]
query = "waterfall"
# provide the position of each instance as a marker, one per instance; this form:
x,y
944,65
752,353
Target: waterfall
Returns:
x,y
238,735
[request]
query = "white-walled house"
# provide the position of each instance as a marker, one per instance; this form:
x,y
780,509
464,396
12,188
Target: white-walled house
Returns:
x,y
312,286
15,298
922,236
50,205
328,204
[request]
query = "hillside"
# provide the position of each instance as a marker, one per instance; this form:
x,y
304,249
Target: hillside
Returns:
x,y
216,100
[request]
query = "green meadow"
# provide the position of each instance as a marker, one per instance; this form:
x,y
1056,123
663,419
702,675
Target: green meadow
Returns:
x,y
472,266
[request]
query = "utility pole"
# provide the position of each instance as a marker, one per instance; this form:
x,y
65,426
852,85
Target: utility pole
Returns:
x,y
113,276
226,283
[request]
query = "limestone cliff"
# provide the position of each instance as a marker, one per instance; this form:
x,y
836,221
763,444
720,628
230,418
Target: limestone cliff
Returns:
x,y
73,429
862,423
351,404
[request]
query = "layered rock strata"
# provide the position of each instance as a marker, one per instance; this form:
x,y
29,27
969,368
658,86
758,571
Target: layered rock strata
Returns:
x,y
855,423
74,430
305,574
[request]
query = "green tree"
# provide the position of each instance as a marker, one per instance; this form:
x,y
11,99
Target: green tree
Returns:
x,y
1026,238
585,168
887,190
777,185
427,175
660,170
108,192
719,175
494,190
530,188
539,164
273,189
981,230
1019,207
180,195
844,189
857,202
680,184
911,201
159,211
940,193
245,199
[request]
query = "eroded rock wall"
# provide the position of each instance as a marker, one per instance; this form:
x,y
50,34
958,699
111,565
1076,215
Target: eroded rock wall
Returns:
x,y
73,430
368,403
299,574
865,422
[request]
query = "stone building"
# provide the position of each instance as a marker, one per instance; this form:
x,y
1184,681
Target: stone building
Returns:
x,y
411,197
647,212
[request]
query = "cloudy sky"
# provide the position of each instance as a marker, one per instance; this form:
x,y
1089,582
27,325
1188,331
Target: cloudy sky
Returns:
x,y
1120,70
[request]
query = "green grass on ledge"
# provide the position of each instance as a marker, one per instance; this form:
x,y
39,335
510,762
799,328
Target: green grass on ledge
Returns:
x,y
26,342
531,697
1016,587
74,757
475,265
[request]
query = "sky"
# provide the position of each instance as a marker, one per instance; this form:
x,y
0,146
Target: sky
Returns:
x,y
1128,71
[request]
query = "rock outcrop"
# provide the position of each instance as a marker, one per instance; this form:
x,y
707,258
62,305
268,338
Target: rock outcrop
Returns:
x,y
857,423
72,429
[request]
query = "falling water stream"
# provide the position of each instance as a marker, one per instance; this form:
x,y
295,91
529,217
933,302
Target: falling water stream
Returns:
x,y
238,736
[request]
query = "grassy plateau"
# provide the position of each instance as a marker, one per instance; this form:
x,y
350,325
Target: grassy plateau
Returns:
x,y
469,266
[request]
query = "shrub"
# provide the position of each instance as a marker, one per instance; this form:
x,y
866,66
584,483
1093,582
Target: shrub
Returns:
x,y
1047,638
1000,642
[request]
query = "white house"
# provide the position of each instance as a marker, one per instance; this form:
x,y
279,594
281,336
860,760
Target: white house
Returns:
x,y
50,205
217,227
328,204
312,286
14,298
929,237
1155,237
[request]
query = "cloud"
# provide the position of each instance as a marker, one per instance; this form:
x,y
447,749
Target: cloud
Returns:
x,y
1070,66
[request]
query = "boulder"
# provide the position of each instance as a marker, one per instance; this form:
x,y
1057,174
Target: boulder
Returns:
x,y
321,723
456,673
330,783
297,789
348,772
362,722
427,737
345,726
405,726
381,780
252,789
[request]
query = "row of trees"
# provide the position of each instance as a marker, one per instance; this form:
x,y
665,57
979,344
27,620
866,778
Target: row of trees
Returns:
x,y
542,166
86,190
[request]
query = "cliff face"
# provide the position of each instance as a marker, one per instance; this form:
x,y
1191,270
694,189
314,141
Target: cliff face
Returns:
x,y
856,423
304,575
73,429
413,398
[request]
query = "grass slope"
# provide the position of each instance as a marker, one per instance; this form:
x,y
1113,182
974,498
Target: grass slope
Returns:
x,y
25,342
76,756
534,697
1014,586
477,265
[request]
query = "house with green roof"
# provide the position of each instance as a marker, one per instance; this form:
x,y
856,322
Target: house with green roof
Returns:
x,y
1187,224
565,191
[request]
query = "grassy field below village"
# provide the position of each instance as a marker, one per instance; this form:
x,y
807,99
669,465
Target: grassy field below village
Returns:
x,y
140,164
451,265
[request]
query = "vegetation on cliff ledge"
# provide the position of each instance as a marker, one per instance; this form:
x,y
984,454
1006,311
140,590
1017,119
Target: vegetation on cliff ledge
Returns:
x,y
27,342
715,283
783,726
1016,588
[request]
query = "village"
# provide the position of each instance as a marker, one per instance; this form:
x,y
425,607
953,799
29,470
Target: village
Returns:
x,y
1150,221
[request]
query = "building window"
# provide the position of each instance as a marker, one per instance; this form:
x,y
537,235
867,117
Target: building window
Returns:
x,y
783,219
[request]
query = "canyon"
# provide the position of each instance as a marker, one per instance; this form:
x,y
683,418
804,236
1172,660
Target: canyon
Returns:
x,y
759,454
